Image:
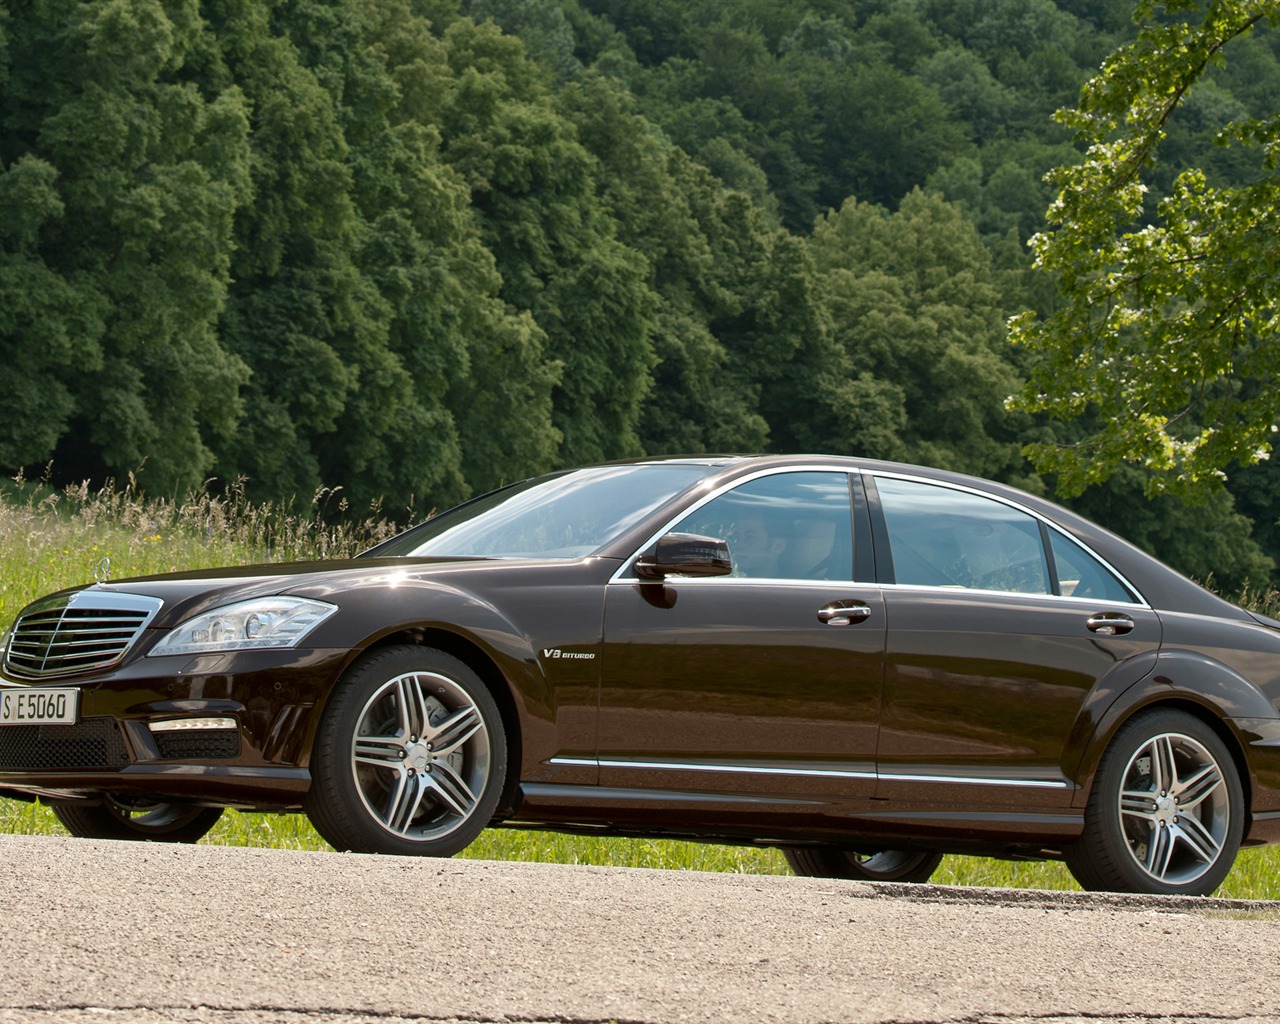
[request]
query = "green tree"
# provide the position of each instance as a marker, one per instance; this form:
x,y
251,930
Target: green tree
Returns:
x,y
456,394
450,325
923,359
670,209
532,186
884,132
121,180
1166,335
1210,540
51,325
300,313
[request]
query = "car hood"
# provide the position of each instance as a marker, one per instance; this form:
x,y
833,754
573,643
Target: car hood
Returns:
x,y
185,594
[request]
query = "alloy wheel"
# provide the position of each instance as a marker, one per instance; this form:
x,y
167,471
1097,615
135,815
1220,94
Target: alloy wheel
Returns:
x,y
420,756
1174,808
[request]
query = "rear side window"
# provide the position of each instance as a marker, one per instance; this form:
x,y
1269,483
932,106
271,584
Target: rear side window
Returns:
x,y
1082,575
941,537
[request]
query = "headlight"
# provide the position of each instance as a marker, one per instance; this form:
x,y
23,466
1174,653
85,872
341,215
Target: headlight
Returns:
x,y
264,622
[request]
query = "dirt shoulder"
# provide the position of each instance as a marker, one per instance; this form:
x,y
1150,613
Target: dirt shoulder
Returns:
x,y
97,931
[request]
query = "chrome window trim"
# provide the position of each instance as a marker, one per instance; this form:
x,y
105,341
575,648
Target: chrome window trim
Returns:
x,y
619,577
759,581
853,586
1140,601
1084,601
732,769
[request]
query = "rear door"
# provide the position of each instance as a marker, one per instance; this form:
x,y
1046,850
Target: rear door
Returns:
x,y
1000,627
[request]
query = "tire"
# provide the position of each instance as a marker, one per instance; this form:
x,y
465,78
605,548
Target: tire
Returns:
x,y
410,756
1166,813
884,866
122,817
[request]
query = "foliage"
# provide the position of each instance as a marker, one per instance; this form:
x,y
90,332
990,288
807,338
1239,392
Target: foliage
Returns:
x,y
413,249
121,180
923,362
533,193
1167,333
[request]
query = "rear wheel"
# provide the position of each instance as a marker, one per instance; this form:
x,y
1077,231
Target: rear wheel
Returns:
x,y
410,757
124,817
1166,813
882,866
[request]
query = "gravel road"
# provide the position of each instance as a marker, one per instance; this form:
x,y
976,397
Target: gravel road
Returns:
x,y
148,934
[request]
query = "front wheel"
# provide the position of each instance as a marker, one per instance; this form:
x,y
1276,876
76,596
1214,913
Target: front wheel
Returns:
x,y
882,866
123,817
1166,813
410,756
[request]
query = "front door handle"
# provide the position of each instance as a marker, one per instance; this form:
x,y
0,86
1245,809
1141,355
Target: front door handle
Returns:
x,y
1110,623
844,613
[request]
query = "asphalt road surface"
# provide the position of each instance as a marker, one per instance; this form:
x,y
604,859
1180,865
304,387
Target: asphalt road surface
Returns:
x,y
147,934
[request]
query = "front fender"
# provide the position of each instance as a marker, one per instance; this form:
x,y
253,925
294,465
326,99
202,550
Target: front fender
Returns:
x,y
553,698
382,612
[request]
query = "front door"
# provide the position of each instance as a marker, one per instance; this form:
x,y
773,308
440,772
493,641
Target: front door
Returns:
x,y
763,687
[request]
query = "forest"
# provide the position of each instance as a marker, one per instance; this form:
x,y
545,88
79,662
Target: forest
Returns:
x,y
413,249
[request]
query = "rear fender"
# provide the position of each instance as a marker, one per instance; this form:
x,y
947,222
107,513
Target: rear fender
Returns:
x,y
1097,705
1208,688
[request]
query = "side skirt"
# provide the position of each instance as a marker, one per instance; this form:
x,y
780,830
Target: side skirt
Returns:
x,y
772,820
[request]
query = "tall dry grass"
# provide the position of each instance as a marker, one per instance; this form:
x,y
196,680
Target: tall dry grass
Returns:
x,y
54,538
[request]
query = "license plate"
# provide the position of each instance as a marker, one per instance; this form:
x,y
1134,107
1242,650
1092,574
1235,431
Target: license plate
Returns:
x,y
39,706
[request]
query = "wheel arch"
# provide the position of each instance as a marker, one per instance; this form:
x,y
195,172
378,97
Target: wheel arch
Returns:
x,y
483,663
458,621
474,632
1192,683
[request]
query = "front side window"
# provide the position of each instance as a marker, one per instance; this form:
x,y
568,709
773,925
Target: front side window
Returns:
x,y
942,537
789,526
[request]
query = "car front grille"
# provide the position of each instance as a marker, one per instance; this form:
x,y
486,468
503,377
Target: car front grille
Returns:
x,y
79,632
92,743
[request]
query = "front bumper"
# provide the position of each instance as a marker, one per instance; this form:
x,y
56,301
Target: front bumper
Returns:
x,y
253,715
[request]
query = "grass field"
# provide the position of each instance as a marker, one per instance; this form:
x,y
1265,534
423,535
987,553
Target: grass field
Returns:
x,y
50,540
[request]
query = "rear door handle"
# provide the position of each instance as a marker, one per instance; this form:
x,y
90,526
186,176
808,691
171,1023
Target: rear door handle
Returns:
x,y
1110,623
844,613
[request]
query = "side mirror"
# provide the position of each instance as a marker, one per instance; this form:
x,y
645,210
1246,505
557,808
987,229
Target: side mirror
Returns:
x,y
685,554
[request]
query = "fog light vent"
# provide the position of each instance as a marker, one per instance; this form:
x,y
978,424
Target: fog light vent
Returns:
x,y
192,724
198,745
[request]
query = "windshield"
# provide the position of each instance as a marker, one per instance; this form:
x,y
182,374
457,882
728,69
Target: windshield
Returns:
x,y
566,515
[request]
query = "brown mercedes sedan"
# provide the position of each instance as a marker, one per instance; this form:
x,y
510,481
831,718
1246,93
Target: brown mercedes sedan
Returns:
x,y
865,664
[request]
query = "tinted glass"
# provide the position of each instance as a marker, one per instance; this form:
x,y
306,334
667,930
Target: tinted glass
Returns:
x,y
940,537
567,515
794,526
1082,575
